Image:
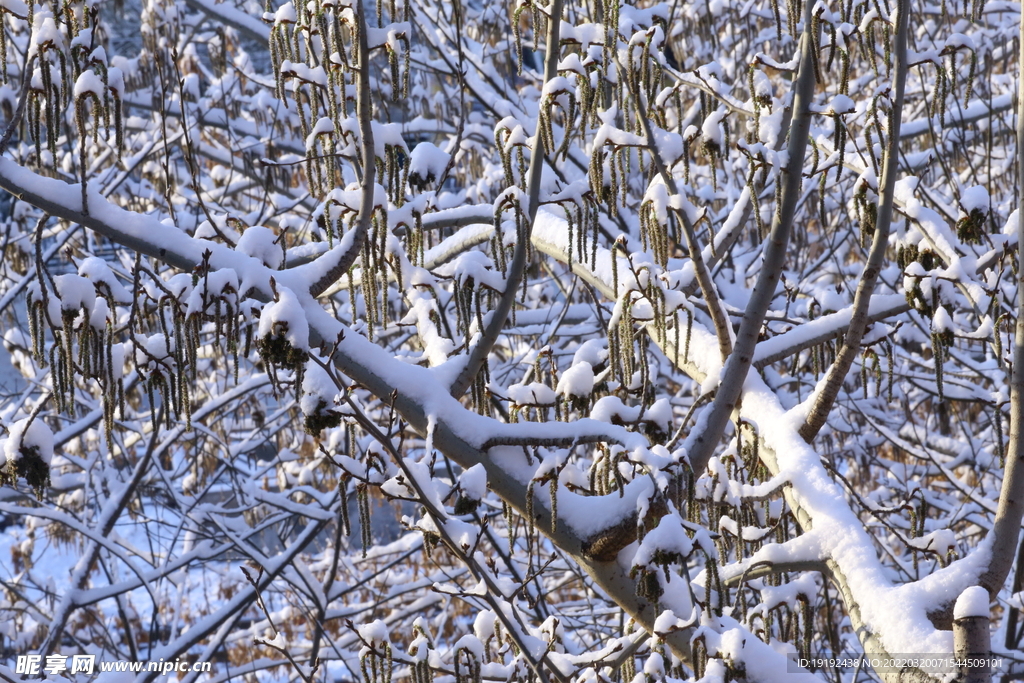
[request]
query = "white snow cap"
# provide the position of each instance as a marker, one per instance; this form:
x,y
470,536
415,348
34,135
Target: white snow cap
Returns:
x,y
285,14
473,482
973,602
260,242
375,632
426,163
975,197
287,309
25,434
89,82
712,128
533,394
832,300
841,104
577,381
593,351
941,322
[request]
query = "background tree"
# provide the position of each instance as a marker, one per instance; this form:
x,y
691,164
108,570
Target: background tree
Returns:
x,y
672,337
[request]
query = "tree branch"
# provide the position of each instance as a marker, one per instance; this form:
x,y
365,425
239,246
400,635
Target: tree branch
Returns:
x,y
859,320
709,430
707,285
478,354
1006,528
227,14
823,329
346,254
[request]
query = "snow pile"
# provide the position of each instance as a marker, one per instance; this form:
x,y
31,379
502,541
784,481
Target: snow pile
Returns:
x,y
89,83
76,293
285,14
940,541
971,225
283,343
98,272
593,351
941,322
832,300
975,197
666,544
214,230
612,409
45,34
841,104
475,266
763,89
153,354
472,489
712,133
213,290
473,482
659,415
323,126
533,394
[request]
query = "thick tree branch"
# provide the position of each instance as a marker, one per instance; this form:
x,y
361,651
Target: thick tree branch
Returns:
x,y
824,329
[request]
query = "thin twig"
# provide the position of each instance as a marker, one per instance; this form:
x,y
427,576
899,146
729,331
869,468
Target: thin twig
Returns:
x,y
19,113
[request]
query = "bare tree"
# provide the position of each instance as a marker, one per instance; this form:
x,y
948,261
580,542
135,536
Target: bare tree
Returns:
x,y
579,341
